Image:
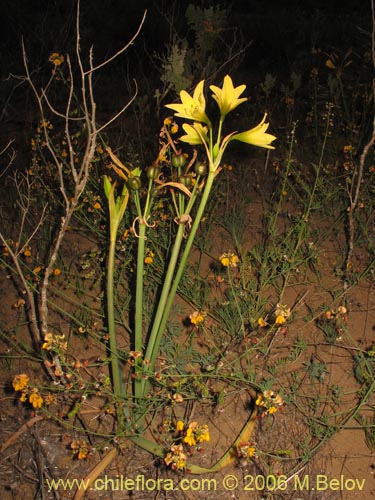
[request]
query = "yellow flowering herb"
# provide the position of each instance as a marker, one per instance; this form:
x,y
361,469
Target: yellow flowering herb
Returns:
x,y
20,382
227,97
56,58
36,400
229,259
192,107
256,136
189,438
196,318
149,259
262,323
179,425
280,320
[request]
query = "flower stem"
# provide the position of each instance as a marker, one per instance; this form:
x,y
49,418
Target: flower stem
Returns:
x,y
171,289
118,387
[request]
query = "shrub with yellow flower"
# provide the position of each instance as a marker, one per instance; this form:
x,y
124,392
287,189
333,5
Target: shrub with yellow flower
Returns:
x,y
229,259
197,317
20,382
56,59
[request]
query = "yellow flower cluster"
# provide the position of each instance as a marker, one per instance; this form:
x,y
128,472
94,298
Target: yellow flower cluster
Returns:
x,y
176,457
229,259
56,59
149,259
246,450
269,401
282,313
197,318
21,384
54,342
227,98
80,449
194,434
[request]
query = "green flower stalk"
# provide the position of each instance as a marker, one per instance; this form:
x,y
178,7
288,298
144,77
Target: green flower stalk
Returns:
x,y
117,207
199,133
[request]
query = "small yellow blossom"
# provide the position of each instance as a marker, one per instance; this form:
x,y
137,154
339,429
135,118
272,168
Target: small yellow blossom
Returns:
x,y
27,252
174,128
20,382
97,206
23,397
64,153
149,259
229,259
262,323
202,434
179,425
280,320
189,438
167,121
196,318
36,400
37,270
271,410
176,458
57,272
56,58
330,64
48,339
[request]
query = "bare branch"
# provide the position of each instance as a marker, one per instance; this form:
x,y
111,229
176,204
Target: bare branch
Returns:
x,y
123,49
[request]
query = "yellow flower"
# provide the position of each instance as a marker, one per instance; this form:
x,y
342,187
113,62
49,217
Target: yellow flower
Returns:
x,y
330,64
227,97
261,323
256,136
57,272
97,206
192,108
202,434
174,128
280,320
271,410
37,270
149,259
179,425
196,318
23,397
195,134
36,400
48,341
229,259
259,400
20,382
189,439
56,58
27,252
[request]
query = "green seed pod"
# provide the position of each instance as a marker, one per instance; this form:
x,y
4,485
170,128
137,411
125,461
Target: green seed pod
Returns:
x,y
185,179
178,161
134,183
153,172
200,168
